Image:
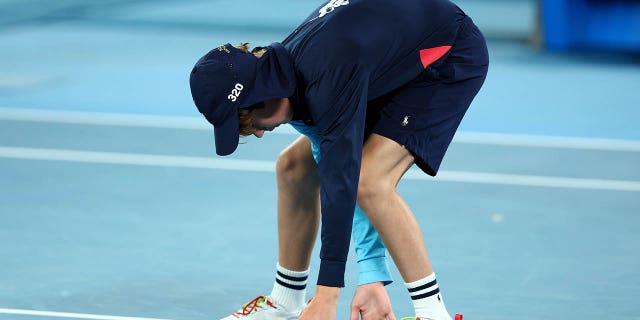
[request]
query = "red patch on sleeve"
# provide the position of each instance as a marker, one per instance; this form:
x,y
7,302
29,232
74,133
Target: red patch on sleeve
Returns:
x,y
429,56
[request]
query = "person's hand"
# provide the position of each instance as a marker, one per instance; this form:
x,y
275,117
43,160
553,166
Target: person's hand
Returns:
x,y
323,305
371,302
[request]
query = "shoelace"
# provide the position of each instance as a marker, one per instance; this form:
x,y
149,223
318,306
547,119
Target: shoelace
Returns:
x,y
254,305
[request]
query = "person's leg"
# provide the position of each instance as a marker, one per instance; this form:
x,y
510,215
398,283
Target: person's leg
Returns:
x,y
416,126
298,205
298,222
384,162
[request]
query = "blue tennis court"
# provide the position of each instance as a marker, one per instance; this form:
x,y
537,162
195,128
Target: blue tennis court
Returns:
x,y
113,204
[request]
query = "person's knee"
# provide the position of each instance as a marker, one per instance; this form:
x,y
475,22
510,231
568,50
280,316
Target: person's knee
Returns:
x,y
372,189
293,169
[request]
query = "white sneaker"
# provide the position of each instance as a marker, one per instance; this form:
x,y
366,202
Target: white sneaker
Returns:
x,y
262,308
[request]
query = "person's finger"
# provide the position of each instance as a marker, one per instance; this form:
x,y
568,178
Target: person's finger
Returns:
x,y
355,312
391,316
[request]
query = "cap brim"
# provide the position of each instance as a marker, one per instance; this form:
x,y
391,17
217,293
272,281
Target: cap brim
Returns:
x,y
227,135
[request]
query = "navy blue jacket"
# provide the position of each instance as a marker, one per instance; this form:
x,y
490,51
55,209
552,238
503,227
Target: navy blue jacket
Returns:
x,y
346,53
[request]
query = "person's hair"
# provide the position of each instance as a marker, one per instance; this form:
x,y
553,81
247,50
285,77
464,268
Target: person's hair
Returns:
x,y
246,127
257,51
244,114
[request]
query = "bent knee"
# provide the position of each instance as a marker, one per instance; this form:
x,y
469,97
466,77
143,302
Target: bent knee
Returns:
x,y
294,168
372,189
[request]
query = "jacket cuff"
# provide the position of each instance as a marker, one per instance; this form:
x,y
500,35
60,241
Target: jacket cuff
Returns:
x,y
374,270
331,273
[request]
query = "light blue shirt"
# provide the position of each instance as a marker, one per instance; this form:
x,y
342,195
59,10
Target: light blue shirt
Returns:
x,y
371,252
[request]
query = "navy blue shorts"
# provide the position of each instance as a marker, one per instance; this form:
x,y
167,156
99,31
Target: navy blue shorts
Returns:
x,y
424,115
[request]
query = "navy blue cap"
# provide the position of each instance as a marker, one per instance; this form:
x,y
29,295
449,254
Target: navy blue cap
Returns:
x,y
227,79
220,82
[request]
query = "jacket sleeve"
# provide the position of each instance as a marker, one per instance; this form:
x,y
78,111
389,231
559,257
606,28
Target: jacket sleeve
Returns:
x,y
371,252
338,101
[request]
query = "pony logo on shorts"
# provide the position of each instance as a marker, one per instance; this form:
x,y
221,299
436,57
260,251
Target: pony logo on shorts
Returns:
x,y
405,122
332,5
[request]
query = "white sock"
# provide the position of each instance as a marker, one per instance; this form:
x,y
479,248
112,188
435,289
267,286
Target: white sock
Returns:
x,y
427,300
290,288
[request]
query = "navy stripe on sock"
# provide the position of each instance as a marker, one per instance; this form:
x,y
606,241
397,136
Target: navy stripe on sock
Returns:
x,y
425,295
290,286
422,287
291,278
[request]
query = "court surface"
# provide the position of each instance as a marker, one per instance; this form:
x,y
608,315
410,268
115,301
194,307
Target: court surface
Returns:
x,y
114,206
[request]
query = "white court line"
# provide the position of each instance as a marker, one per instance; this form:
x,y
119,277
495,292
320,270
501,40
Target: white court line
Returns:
x,y
69,315
522,140
137,159
269,166
197,123
104,119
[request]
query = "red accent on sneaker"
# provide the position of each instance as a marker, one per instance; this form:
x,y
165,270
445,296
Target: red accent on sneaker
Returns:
x,y
252,305
458,317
